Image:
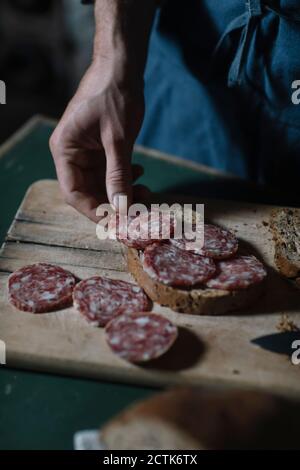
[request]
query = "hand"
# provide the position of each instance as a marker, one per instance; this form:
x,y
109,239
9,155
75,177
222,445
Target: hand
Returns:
x,y
93,142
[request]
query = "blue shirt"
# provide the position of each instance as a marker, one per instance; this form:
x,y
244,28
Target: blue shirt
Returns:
x,y
218,86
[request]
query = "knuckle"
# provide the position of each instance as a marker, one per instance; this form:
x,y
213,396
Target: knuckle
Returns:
x,y
54,141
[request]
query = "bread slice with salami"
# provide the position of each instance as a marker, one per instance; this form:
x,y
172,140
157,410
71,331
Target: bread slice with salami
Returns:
x,y
200,300
197,272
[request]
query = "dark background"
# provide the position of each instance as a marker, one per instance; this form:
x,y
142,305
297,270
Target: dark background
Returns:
x,y
45,47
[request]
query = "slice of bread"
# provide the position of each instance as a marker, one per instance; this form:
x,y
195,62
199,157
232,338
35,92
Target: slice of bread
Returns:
x,y
285,225
195,301
193,418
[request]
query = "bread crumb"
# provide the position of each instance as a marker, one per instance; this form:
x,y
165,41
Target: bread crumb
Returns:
x,y
236,372
286,324
265,223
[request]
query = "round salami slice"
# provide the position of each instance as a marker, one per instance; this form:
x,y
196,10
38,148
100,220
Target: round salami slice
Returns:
x,y
219,243
41,288
140,231
238,273
140,337
174,267
100,299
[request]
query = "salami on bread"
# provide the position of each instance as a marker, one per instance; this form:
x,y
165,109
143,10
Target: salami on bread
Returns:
x,y
169,265
200,300
237,273
140,231
219,243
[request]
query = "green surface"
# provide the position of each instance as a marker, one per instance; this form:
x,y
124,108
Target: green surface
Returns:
x,y
42,411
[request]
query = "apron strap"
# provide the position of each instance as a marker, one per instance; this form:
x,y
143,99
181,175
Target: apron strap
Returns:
x,y
247,22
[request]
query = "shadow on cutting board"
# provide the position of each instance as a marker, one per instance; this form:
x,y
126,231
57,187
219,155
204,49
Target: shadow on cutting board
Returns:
x,y
280,343
279,296
187,350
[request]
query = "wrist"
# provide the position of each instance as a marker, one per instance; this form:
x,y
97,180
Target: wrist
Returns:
x,y
122,32
119,70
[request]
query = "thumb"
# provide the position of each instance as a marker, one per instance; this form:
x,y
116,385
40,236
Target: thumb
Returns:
x,y
118,175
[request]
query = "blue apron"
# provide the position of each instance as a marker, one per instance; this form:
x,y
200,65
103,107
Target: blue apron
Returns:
x,y
218,86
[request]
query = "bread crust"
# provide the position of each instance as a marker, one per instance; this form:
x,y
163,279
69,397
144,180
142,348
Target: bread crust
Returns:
x,y
195,301
194,418
284,224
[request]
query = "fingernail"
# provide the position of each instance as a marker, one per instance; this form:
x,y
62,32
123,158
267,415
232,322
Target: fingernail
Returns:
x,y
120,202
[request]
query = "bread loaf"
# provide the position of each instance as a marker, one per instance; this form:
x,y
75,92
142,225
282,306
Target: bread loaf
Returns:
x,y
192,418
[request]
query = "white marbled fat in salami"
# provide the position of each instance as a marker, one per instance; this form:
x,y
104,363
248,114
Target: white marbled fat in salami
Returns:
x,y
139,232
219,243
237,273
140,337
100,299
40,288
174,267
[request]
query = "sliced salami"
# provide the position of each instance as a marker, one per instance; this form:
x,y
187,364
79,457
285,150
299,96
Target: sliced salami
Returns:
x,y
140,337
100,299
238,273
40,288
174,267
139,232
219,243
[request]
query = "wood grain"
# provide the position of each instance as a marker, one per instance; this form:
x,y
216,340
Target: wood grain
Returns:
x,y
244,349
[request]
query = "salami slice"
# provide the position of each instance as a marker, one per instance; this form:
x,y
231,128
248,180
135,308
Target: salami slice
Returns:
x,y
100,299
140,337
174,267
139,232
40,288
238,273
219,243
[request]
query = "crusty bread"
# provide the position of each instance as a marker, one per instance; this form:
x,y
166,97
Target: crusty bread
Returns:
x,y
191,418
285,225
194,301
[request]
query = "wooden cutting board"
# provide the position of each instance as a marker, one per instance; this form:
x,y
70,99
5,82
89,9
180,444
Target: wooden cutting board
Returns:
x,y
245,349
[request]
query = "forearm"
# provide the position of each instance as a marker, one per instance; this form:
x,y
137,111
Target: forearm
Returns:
x,y
122,32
